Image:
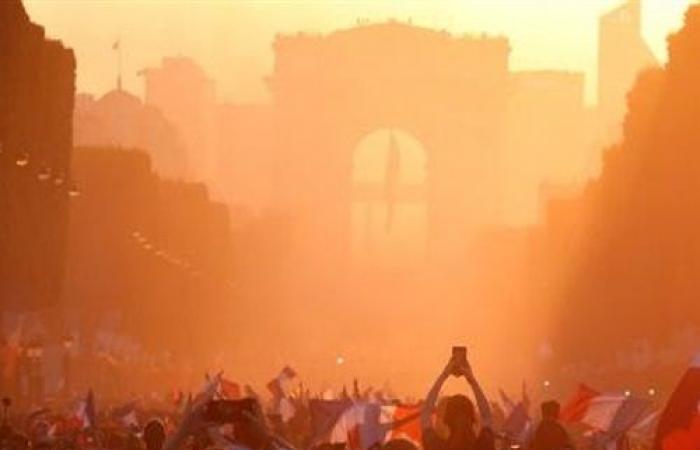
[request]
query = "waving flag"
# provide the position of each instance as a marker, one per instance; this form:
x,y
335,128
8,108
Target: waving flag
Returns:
x,y
324,415
391,180
576,408
348,427
279,385
127,414
679,424
646,428
86,412
229,390
508,404
402,421
518,423
611,413
360,424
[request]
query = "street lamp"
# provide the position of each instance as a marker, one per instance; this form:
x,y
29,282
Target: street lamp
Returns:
x,y
68,343
44,174
73,191
22,160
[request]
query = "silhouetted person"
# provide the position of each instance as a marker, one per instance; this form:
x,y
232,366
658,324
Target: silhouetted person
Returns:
x,y
460,415
154,435
399,444
550,434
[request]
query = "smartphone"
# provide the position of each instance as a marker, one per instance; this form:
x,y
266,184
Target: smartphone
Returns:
x,y
459,357
229,411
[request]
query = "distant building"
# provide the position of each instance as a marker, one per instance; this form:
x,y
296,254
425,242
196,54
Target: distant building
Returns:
x,y
37,85
187,97
120,119
148,248
622,54
550,138
490,134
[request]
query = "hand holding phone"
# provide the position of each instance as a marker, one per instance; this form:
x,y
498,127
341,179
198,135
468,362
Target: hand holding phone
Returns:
x,y
459,360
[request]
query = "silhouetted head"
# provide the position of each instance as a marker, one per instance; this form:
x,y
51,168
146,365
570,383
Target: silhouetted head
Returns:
x,y
251,430
459,413
399,444
154,435
550,410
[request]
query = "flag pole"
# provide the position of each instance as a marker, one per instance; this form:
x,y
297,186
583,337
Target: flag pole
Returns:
x,y
118,47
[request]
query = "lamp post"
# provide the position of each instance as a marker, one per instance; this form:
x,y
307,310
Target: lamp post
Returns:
x,y
35,354
67,353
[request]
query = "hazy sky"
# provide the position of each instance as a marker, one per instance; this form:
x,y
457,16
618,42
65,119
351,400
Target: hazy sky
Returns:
x,y
232,39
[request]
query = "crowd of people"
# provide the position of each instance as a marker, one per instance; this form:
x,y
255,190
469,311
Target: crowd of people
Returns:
x,y
225,416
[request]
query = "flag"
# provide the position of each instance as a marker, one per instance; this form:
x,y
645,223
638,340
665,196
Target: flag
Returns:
x,y
611,413
632,411
518,423
391,179
286,409
249,391
645,429
37,414
279,385
575,409
86,411
348,428
360,425
229,390
127,414
498,415
329,394
508,403
402,422
324,415
679,424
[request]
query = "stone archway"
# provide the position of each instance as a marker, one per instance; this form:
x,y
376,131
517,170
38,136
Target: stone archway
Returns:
x,y
330,91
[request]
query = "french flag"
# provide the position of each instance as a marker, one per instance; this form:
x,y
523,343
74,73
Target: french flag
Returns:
x,y
325,414
611,413
86,412
402,422
229,390
355,424
508,404
278,385
679,424
349,427
361,425
518,424
127,414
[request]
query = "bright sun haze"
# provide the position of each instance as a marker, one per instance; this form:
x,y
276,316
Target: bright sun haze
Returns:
x,y
232,39
354,188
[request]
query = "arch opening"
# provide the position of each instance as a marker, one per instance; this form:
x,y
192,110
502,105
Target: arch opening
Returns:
x,y
389,207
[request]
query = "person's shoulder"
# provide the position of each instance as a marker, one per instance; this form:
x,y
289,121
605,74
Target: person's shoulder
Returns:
x,y
486,433
431,440
486,439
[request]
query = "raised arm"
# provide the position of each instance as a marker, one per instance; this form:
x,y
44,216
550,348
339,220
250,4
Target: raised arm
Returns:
x,y
432,397
481,402
192,419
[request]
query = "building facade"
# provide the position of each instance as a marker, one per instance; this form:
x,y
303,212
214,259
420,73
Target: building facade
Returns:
x,y
37,90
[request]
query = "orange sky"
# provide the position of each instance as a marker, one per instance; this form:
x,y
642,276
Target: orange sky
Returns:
x,y
231,38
